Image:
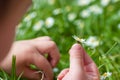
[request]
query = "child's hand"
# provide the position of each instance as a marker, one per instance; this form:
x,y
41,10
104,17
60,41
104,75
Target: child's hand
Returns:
x,y
82,66
32,52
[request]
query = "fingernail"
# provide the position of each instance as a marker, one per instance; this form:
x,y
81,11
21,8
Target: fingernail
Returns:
x,y
76,46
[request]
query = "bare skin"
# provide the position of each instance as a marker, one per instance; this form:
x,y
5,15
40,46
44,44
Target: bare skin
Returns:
x,y
11,12
32,51
82,66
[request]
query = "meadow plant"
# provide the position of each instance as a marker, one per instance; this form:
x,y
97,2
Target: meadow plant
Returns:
x,y
96,24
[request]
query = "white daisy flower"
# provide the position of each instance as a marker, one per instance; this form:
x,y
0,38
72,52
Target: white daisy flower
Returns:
x,y
95,9
19,25
38,25
55,70
51,2
79,23
84,2
49,22
118,26
78,39
92,42
30,16
18,28
71,16
1,78
85,13
68,8
114,1
20,32
57,11
105,2
105,75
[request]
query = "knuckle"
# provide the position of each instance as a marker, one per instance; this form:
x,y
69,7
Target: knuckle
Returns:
x,y
47,37
28,48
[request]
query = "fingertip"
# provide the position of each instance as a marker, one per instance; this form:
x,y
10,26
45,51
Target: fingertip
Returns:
x,y
62,74
76,58
75,49
75,46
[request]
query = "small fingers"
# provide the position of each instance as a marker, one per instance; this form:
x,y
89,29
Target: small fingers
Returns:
x,y
42,64
31,74
50,48
62,74
44,38
76,59
90,66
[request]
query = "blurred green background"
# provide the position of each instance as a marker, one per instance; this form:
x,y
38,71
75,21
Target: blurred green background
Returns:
x,y
96,21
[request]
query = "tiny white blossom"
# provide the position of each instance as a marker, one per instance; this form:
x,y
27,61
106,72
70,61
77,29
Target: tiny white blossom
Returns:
x,y
118,26
51,2
84,2
57,11
1,78
30,16
20,32
38,25
19,25
95,9
68,8
49,22
79,24
55,69
85,13
105,2
71,16
105,75
78,39
92,42
114,1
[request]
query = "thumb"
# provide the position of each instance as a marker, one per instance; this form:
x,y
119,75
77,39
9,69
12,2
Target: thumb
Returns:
x,y
76,59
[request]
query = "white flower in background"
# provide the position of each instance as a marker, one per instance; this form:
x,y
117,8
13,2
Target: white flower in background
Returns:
x,y
114,1
68,8
105,2
55,70
85,13
38,25
95,9
19,25
49,22
20,32
71,16
1,78
79,23
57,11
105,75
92,42
51,2
84,2
30,16
118,26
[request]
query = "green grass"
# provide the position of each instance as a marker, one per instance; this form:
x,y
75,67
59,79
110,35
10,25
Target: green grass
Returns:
x,y
103,26
12,76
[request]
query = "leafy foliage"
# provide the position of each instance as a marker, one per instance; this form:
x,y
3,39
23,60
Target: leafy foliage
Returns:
x,y
61,19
